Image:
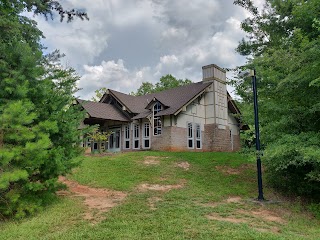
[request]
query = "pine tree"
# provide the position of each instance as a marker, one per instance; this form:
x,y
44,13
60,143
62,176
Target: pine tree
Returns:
x,y
38,123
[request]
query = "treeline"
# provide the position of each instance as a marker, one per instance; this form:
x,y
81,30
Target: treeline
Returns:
x,y
283,45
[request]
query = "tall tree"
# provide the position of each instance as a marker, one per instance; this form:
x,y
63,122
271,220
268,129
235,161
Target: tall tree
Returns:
x,y
38,123
284,48
166,82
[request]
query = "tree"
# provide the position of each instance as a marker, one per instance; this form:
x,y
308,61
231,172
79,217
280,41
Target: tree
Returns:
x,y
166,82
99,94
98,136
283,46
38,123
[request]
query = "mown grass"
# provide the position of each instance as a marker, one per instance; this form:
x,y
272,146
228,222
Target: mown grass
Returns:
x,y
180,213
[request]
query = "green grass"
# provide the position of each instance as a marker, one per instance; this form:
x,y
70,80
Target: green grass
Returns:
x,y
180,213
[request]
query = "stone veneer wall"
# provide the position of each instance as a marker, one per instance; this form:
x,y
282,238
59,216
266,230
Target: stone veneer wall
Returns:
x,y
218,140
171,139
213,139
161,142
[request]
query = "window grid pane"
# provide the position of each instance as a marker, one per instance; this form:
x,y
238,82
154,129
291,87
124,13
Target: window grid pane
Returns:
x,y
190,135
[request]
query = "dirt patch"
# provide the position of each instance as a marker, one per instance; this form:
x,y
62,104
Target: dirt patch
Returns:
x,y
183,165
97,200
214,216
152,201
234,171
234,199
263,214
151,160
270,229
252,218
268,216
158,187
231,199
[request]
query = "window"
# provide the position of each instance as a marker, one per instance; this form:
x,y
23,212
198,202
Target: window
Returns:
x,y
127,137
136,142
111,140
88,142
117,135
198,136
190,135
157,124
146,135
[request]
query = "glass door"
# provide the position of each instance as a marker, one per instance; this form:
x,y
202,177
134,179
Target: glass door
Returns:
x,y
114,140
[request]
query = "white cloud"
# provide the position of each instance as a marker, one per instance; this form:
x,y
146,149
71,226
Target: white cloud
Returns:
x,y
111,74
128,42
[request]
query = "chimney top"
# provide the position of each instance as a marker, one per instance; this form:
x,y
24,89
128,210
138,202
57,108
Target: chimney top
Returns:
x,y
213,72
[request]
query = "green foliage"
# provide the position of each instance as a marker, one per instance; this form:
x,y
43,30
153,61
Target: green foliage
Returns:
x,y
315,209
284,41
166,82
38,123
99,94
98,136
295,160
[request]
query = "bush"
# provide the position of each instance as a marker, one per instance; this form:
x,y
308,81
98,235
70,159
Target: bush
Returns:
x,y
293,164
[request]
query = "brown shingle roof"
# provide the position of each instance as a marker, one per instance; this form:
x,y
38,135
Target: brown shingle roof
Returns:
x,y
103,111
174,98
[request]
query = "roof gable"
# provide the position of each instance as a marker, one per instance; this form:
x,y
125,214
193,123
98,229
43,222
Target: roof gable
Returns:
x,y
173,99
103,111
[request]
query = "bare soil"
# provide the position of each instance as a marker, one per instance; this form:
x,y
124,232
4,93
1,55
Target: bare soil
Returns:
x,y
162,188
97,200
253,217
151,160
183,165
152,201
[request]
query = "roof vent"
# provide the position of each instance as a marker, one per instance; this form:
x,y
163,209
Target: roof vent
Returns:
x,y
213,72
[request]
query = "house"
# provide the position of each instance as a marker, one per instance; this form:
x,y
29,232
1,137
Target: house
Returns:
x,y
197,117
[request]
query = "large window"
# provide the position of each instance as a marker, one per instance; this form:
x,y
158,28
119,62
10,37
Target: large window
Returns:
x,y
198,136
146,135
127,136
136,136
157,124
190,135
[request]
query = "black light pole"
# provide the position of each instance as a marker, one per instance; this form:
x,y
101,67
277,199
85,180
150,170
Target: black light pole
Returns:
x,y
257,133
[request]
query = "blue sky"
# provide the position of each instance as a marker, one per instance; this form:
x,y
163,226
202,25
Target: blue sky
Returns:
x,y
127,42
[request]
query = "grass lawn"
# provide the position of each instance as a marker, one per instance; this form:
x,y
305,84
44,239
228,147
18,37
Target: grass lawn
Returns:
x,y
168,196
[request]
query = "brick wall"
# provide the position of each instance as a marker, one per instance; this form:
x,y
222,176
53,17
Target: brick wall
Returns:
x,y
161,142
213,139
171,139
219,140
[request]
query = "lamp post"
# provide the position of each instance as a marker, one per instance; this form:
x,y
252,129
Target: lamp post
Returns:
x,y
252,73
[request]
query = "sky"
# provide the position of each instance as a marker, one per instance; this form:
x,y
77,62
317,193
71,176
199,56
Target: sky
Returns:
x,y
127,42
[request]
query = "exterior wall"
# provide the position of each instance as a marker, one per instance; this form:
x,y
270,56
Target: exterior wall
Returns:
x,y
195,113
233,124
162,142
216,139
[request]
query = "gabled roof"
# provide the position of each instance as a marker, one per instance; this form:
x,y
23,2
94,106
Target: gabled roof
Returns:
x,y
174,98
103,111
